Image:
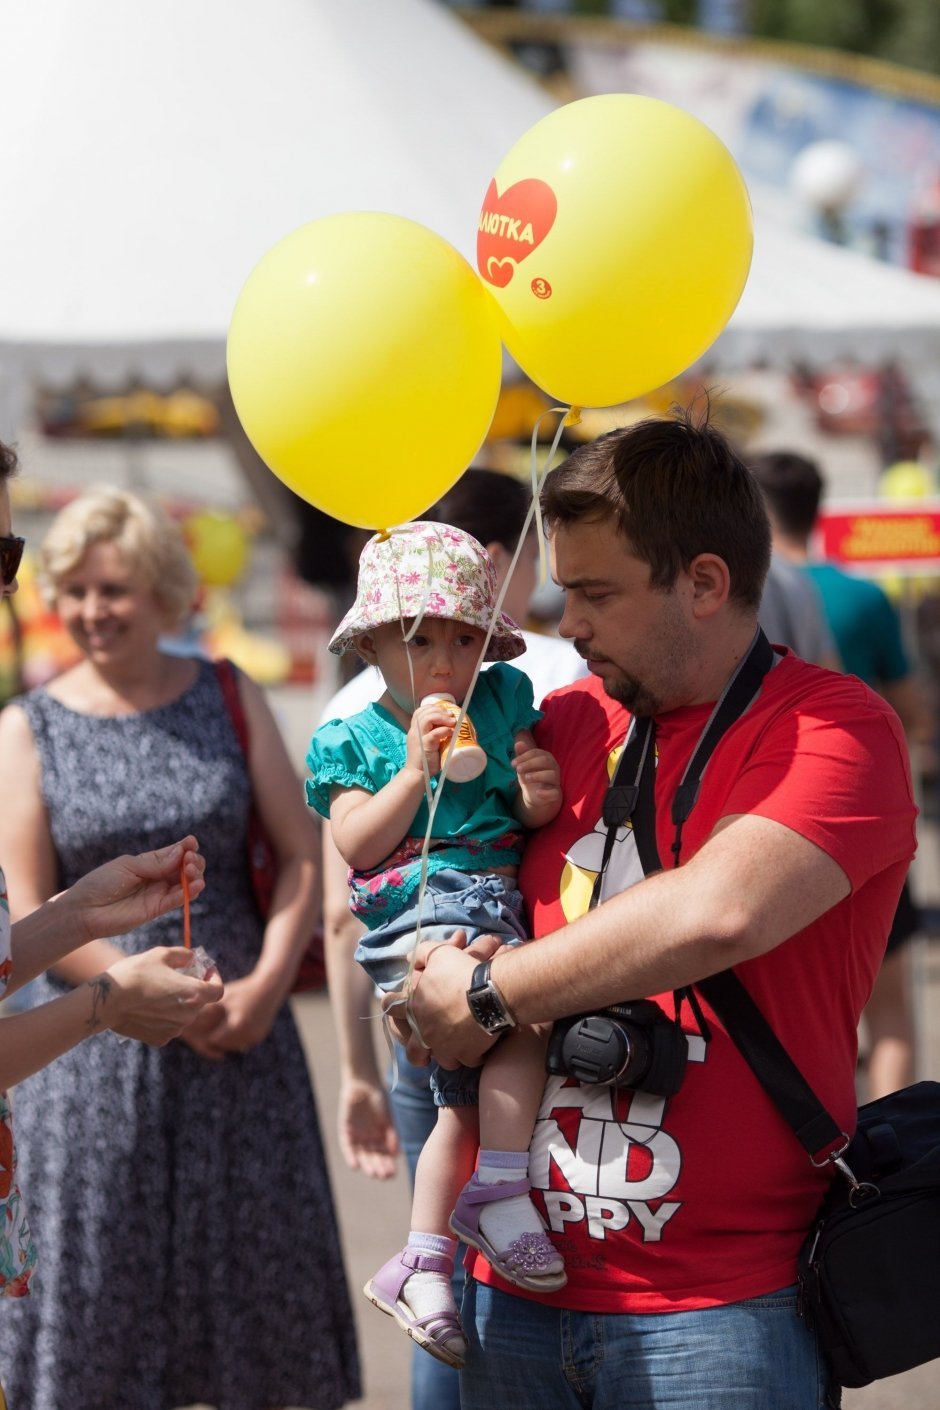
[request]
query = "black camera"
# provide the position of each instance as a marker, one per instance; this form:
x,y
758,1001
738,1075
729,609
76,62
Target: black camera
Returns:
x,y
627,1045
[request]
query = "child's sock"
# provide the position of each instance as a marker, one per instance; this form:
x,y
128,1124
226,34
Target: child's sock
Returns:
x,y
430,1294
506,1220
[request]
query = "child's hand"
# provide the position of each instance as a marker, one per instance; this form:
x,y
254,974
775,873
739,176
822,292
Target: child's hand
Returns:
x,y
430,732
539,780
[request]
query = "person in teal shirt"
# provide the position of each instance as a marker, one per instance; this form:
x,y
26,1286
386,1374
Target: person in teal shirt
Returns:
x,y
864,624
429,853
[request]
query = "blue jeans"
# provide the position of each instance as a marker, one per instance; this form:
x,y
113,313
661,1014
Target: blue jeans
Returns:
x,y
753,1355
434,1386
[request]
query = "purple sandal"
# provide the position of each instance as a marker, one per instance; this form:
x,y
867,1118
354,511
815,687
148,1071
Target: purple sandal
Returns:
x,y
432,1332
528,1260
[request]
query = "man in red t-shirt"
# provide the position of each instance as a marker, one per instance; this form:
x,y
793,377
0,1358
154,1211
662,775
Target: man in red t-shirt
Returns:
x,y
680,1218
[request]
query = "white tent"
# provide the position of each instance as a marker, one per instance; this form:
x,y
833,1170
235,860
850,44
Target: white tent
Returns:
x,y
150,155
812,302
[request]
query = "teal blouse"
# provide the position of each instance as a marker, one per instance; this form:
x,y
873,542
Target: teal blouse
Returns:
x,y
474,828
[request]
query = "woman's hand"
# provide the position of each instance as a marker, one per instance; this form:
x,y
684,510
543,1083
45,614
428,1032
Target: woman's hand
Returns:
x,y
132,890
145,996
242,1020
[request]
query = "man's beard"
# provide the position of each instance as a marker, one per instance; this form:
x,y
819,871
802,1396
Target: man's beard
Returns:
x,y
633,695
626,690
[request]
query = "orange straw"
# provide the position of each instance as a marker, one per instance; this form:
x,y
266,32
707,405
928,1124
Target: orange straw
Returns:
x,y
187,937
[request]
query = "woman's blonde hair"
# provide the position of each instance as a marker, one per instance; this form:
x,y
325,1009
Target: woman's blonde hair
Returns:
x,y
145,535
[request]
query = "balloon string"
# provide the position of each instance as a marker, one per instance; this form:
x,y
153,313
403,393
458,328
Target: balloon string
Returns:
x,y
570,416
187,934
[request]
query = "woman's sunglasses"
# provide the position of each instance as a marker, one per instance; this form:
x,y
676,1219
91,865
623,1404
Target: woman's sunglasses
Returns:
x,y
11,556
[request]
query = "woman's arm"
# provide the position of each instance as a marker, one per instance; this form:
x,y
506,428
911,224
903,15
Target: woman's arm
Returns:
x,y
141,996
28,857
110,900
367,1137
246,1014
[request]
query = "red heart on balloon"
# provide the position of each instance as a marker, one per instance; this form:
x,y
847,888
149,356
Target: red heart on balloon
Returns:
x,y
512,225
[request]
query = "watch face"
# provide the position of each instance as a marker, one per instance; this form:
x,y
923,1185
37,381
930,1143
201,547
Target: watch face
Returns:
x,y
485,1003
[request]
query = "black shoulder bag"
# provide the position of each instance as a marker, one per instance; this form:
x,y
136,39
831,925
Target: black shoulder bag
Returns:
x,y
869,1269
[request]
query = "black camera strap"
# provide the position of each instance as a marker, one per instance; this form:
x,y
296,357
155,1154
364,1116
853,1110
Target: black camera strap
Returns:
x,y
814,1127
630,797
634,801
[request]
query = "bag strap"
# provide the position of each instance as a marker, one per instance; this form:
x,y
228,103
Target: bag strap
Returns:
x,y
228,684
817,1132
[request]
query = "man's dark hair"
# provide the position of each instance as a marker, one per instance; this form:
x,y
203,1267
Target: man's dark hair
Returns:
x,y
675,488
9,462
792,487
487,504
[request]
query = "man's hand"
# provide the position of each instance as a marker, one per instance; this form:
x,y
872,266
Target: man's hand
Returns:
x,y
131,890
438,1003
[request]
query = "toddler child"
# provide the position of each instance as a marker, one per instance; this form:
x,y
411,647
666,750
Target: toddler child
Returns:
x,y
369,776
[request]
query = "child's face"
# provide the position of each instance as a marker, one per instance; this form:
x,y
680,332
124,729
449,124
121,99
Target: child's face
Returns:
x,y
443,655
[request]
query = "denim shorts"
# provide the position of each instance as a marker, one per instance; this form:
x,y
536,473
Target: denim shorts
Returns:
x,y
453,900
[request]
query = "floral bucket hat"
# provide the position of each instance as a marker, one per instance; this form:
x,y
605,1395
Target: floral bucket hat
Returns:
x,y
427,570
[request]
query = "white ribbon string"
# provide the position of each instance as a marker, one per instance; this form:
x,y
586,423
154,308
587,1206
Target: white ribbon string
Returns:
x,y
568,416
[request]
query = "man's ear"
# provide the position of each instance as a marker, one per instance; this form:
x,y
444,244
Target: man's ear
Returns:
x,y
365,648
711,584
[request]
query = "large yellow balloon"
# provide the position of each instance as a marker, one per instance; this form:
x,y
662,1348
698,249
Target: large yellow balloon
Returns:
x,y
364,361
616,238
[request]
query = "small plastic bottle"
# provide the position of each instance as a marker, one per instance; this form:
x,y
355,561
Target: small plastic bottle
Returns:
x,y
466,759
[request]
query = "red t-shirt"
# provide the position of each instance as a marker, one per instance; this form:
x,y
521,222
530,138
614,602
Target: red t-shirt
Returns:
x,y
663,1205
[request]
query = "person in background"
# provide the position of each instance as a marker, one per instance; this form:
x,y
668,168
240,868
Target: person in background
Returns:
x,y
867,633
373,1123
791,614
180,1195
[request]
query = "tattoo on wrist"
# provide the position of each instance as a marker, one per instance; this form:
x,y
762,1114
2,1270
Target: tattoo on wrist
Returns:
x,y
100,993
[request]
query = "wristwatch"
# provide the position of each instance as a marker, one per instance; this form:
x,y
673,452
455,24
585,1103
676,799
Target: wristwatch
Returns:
x,y
487,1004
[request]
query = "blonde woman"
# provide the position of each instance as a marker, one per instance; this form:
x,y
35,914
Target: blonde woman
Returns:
x,y
180,1196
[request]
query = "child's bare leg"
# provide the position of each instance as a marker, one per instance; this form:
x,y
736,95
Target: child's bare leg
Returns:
x,y
511,1085
444,1166
415,1286
512,1082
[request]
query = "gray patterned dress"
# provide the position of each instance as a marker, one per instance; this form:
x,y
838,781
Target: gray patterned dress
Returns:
x,y
188,1250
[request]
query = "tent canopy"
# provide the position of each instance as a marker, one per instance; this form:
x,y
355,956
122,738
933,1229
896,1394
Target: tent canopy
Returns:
x,y
152,155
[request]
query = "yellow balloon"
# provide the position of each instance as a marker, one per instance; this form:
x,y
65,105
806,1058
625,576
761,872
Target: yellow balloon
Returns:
x,y
218,546
364,361
616,238
907,479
